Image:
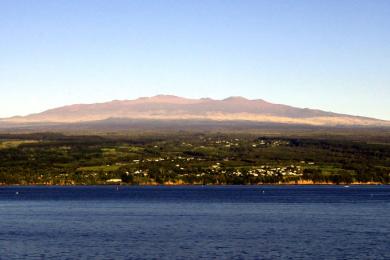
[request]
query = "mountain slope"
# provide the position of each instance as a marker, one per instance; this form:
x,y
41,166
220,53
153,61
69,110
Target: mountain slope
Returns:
x,y
167,107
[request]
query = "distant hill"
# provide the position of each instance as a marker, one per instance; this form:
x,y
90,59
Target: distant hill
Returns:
x,y
168,107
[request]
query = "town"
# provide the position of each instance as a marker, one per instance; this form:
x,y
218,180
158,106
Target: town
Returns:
x,y
188,158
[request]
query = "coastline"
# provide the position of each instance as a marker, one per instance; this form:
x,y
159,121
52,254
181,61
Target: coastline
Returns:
x,y
195,184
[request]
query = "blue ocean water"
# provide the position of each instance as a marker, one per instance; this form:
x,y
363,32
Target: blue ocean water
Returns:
x,y
192,222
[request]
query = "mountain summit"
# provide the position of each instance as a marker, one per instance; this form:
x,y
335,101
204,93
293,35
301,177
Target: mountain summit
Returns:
x,y
169,107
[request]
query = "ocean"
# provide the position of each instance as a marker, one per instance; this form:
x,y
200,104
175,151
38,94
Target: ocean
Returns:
x,y
195,222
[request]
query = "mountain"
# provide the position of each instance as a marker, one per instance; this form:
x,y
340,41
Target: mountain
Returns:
x,y
168,107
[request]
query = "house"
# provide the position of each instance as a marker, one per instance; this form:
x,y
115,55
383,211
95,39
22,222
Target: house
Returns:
x,y
114,180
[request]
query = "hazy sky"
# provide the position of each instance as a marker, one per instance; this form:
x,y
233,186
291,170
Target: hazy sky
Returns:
x,y
331,55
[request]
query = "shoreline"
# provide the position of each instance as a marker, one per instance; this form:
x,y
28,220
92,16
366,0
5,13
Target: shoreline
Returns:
x,y
184,185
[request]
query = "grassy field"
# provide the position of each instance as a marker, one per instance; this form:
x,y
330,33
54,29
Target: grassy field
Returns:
x,y
6,144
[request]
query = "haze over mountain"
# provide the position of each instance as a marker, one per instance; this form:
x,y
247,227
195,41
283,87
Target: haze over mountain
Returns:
x,y
168,107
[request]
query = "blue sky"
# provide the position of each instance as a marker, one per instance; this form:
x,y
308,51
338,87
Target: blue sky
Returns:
x,y
330,55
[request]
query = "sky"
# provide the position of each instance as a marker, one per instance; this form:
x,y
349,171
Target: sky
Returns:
x,y
332,55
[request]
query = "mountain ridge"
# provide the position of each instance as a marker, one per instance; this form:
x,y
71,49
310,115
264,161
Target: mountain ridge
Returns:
x,y
170,107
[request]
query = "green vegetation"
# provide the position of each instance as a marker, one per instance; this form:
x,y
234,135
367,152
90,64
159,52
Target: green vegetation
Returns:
x,y
190,158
